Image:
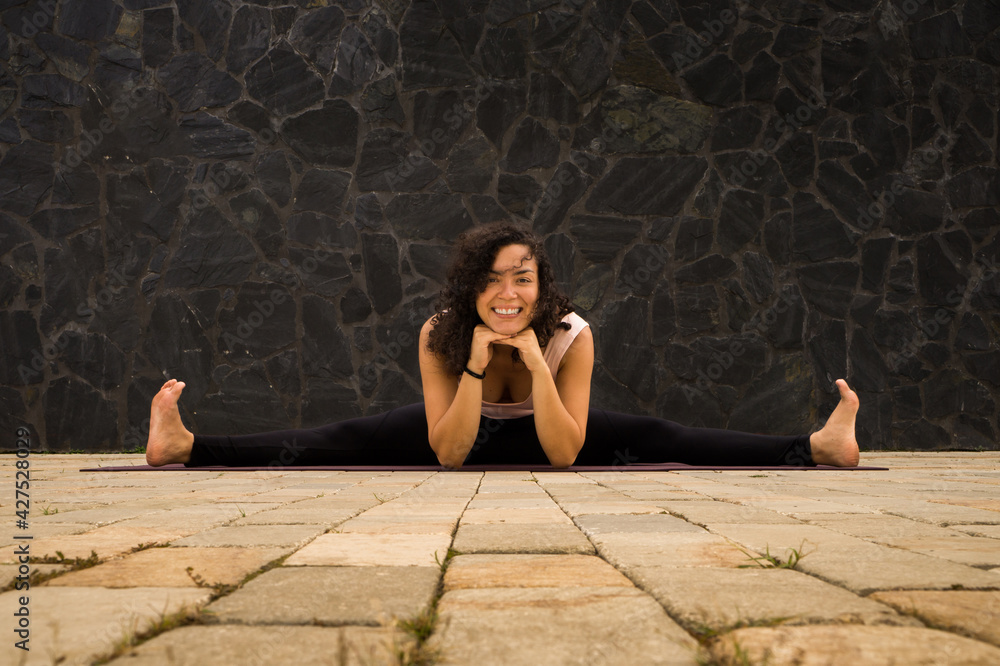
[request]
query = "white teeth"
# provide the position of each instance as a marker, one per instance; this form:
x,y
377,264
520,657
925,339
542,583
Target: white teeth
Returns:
x,y
507,312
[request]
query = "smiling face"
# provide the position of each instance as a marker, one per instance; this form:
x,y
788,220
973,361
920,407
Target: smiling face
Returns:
x,y
508,302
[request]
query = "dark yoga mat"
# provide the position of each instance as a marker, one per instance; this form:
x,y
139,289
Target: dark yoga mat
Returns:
x,y
636,467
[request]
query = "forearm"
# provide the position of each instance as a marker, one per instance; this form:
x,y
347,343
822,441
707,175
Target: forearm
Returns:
x,y
456,431
557,430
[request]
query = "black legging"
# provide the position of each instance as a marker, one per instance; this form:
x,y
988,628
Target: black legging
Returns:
x,y
399,437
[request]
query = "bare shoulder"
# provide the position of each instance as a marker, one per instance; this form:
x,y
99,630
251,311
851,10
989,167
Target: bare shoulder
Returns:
x,y
427,357
581,351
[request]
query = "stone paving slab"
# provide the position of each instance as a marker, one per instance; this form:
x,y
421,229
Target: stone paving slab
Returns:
x,y
236,644
353,550
481,571
254,535
548,516
107,541
974,613
705,512
716,599
167,567
841,645
859,566
659,523
575,625
73,626
521,538
626,550
370,596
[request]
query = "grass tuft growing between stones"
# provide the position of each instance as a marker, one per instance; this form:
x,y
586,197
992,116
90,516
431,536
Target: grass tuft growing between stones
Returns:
x,y
131,638
769,561
423,626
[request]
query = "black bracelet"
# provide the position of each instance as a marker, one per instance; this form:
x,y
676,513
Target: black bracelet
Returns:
x,y
482,376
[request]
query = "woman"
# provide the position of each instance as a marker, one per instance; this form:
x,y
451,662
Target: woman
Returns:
x,y
506,367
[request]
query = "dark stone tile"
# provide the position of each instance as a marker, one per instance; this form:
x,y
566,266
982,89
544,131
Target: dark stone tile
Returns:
x,y
740,219
326,136
431,55
647,185
518,194
315,34
532,146
428,216
601,238
717,81
249,37
78,417
193,82
584,62
624,345
817,233
828,286
283,82
472,166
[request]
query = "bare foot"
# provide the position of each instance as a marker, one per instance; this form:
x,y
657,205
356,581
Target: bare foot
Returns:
x,y
835,443
169,441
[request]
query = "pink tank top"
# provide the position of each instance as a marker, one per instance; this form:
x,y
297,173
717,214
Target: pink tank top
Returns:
x,y
556,349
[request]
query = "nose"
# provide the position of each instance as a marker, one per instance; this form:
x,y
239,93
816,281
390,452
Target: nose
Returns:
x,y
507,289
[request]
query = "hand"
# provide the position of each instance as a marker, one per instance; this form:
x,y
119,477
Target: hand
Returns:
x,y
526,343
482,347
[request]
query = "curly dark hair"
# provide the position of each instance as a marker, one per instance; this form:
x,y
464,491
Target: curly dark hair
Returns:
x,y
457,317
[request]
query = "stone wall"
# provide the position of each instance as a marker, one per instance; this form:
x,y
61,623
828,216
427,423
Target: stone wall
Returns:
x,y
747,200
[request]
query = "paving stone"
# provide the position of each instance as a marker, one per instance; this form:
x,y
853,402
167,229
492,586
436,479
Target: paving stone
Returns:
x,y
581,625
799,505
76,625
703,512
253,535
373,550
237,644
330,595
879,526
519,516
481,571
991,531
872,646
521,538
542,502
616,507
660,523
857,565
40,531
974,613
626,550
721,598
106,541
191,519
294,515
167,567
9,572
411,525
937,513
979,552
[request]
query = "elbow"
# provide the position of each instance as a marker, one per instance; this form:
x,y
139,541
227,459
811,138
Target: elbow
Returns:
x,y
563,461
